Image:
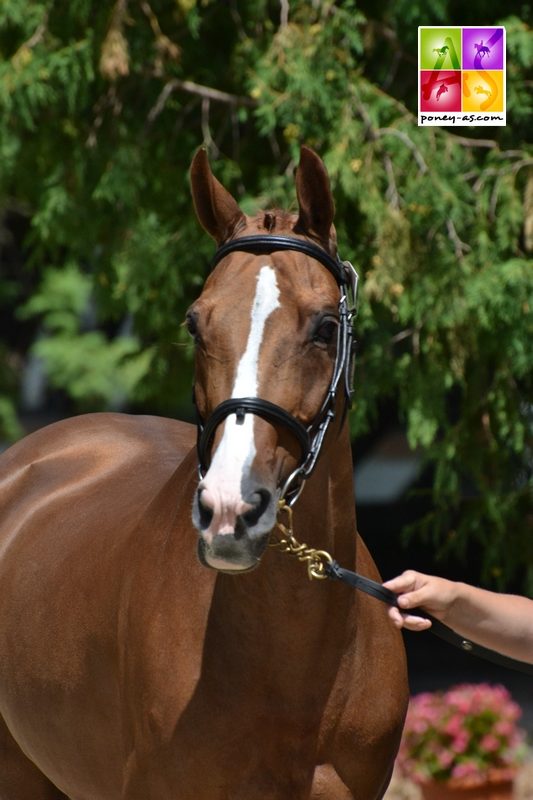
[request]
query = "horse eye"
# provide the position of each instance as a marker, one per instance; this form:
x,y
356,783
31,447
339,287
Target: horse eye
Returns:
x,y
191,323
325,331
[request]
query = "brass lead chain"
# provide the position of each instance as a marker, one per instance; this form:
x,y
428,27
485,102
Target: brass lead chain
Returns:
x,y
316,560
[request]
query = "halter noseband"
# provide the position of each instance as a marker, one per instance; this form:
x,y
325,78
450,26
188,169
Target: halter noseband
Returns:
x,y
309,438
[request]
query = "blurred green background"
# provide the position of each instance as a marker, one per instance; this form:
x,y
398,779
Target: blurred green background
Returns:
x,y
102,106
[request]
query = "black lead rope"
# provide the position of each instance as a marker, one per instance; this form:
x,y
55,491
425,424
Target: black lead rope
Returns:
x,y
379,592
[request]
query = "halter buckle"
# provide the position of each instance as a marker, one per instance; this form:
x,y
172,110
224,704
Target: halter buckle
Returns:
x,y
352,279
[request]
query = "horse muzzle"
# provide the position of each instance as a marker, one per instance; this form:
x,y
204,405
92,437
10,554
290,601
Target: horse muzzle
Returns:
x,y
233,535
229,555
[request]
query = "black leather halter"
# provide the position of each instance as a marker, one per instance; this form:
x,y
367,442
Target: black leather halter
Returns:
x,y
269,243
310,438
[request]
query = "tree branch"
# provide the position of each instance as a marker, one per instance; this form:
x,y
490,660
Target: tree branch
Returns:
x,y
467,142
214,94
38,35
392,193
284,13
407,141
460,247
204,92
206,130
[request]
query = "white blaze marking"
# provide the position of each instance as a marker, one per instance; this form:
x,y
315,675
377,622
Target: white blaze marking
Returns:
x,y
266,301
237,450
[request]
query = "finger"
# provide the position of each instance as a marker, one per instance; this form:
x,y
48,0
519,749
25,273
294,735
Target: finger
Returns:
x,y
410,621
405,582
414,599
414,623
396,617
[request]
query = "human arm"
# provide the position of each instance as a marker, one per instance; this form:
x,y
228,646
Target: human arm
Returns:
x,y
501,622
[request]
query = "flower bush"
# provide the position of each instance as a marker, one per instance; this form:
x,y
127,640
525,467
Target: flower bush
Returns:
x,y
464,735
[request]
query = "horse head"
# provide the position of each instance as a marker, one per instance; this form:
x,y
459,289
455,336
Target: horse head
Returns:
x,y
266,332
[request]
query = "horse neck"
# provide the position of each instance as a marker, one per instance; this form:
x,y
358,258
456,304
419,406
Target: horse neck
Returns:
x,y
325,513
277,609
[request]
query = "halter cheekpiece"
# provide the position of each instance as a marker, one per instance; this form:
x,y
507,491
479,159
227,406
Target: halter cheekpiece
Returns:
x,y
311,437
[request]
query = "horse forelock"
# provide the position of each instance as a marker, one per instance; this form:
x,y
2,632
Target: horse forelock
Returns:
x,y
273,220
282,222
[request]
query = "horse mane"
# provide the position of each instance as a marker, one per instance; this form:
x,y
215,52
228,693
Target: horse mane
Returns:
x,y
280,221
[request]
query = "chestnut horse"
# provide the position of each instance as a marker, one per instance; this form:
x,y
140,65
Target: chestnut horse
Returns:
x,y
130,670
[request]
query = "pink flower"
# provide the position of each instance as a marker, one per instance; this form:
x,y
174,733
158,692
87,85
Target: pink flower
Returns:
x,y
454,725
490,743
445,758
462,733
460,742
466,769
504,728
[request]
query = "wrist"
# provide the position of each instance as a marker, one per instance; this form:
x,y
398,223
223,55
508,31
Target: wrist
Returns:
x,y
461,603
455,599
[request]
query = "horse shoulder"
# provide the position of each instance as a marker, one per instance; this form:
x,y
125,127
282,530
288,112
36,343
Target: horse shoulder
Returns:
x,y
375,654
73,499
85,506
80,454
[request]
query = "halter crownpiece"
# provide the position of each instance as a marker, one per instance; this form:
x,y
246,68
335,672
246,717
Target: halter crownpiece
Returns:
x,y
310,438
270,243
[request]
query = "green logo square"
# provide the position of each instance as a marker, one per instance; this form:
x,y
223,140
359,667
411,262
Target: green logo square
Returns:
x,y
440,48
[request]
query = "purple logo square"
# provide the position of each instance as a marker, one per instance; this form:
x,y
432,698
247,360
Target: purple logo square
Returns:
x,y
483,48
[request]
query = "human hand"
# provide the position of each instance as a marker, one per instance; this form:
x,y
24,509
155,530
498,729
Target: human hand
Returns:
x,y
417,590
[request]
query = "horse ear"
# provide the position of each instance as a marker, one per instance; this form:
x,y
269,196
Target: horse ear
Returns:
x,y
315,201
216,209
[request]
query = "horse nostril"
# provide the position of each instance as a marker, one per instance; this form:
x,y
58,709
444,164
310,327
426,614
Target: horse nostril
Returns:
x,y
240,529
205,511
260,501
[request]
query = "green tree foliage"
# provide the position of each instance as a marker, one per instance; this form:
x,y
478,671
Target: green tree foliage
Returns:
x,y
101,108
